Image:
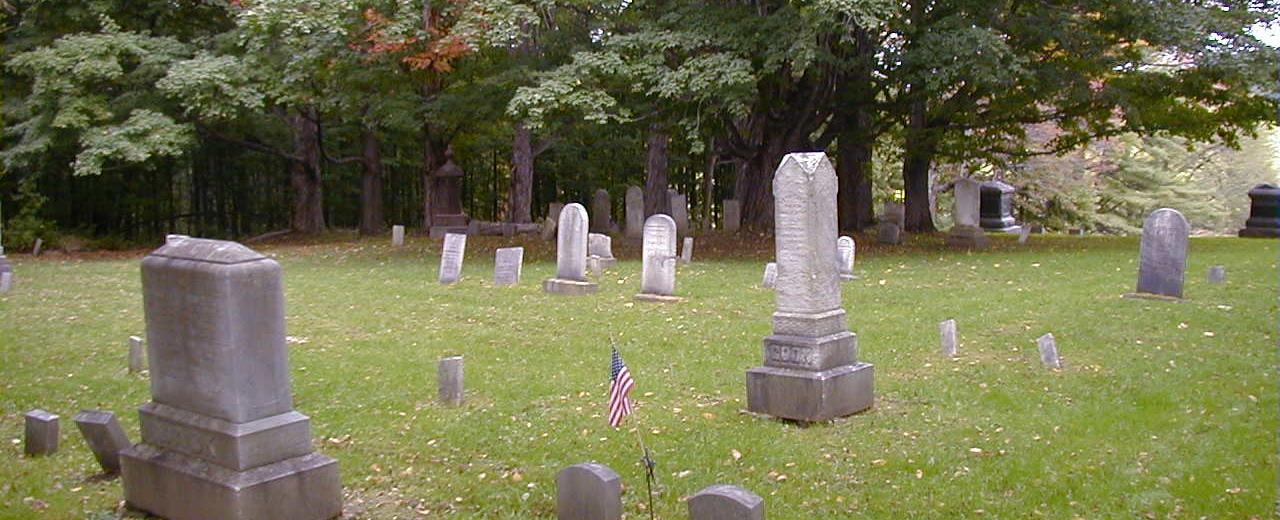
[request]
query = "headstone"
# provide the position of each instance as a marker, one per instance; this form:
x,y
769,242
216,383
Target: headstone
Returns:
x,y
455,247
1218,274
996,213
1024,233
508,262
686,251
732,215
588,492
811,370
553,211
600,247
35,250
548,228
947,330
723,502
6,282
635,212
679,211
889,233
595,267
1049,351
601,212
40,434
658,270
451,387
397,235
571,254
447,215
105,437
1162,255
966,232
1264,212
846,254
137,355
894,212
220,437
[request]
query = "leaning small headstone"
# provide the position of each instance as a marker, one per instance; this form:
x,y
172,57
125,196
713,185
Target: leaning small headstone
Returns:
x,y
889,233
1218,274
588,492
732,215
449,373
455,246
1049,351
658,272
397,235
635,212
686,251
948,331
137,355
508,262
724,502
35,250
6,282
770,275
571,254
846,250
1024,233
1162,255
40,436
600,247
105,437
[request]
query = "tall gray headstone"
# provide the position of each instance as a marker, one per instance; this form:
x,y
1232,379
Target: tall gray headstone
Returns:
x,y
450,382
635,212
508,262
658,270
397,235
686,251
571,254
947,330
588,492
455,248
137,355
105,437
1218,274
1162,256
732,215
1049,351
811,370
679,211
770,280
846,254
600,247
601,212
723,502
220,437
40,433
965,209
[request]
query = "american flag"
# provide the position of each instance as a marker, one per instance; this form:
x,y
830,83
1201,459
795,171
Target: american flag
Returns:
x,y
619,388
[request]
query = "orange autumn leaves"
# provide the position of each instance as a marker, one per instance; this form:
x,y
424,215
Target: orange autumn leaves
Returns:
x,y
437,54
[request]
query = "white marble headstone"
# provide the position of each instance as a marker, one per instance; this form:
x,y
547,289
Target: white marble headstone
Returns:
x,y
455,246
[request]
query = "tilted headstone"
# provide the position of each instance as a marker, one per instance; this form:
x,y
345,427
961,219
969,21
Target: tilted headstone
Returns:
x,y
455,247
601,212
724,502
137,355
1162,256
571,254
846,254
397,235
1049,351
588,492
658,270
40,433
1264,212
966,232
35,250
635,212
732,215
679,211
770,275
947,330
686,251
811,370
600,247
1024,233
220,437
449,374
889,233
1218,274
508,262
996,211
105,437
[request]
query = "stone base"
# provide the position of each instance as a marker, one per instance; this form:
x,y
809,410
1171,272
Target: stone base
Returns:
x,y
562,286
967,237
1260,232
1013,230
658,298
802,395
607,263
441,231
1150,296
177,487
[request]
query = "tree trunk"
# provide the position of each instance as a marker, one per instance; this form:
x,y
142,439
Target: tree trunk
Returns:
x,y
853,168
709,185
919,150
308,205
432,159
521,192
655,169
372,221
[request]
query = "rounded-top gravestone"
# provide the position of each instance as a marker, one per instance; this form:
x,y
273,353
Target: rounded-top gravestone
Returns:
x,y
724,502
1162,256
588,492
571,254
658,271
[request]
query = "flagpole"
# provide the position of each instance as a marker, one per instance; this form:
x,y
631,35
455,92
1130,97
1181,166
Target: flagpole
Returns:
x,y
646,460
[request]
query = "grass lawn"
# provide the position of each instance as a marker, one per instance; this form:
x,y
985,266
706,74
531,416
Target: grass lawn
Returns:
x,y
1163,410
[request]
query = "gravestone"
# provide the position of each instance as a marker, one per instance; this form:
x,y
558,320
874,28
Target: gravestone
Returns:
x,y
658,270
966,232
635,212
601,212
723,502
1162,255
35,250
947,330
679,211
894,212
1024,233
732,215
811,370
553,211
1049,351
686,251
1218,274
600,247
220,437
571,254
1264,212
455,247
105,437
588,492
889,233
40,433
508,262
846,251
447,215
770,275
449,374
137,355
6,282
996,213
397,235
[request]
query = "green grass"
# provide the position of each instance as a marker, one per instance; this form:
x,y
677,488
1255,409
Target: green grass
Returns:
x,y
1151,416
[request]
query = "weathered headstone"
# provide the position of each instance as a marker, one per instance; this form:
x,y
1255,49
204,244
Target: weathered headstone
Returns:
x,y
635,212
571,254
723,502
600,247
552,222
449,373
811,370
447,215
601,212
397,235
220,437
894,212
947,330
6,282
1162,255
137,355
1218,274
40,433
686,251
1024,233
451,255
966,232
889,233
105,437
658,270
679,211
997,208
35,249
770,275
732,215
588,492
508,262
1264,212
1049,351
846,254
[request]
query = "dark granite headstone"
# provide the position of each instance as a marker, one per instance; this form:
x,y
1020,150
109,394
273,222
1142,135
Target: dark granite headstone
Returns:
x,y
997,207
1264,212
105,437
40,433
446,199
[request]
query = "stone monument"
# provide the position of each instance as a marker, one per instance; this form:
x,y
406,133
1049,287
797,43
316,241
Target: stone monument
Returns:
x,y
508,262
1264,213
137,355
571,254
588,492
658,270
601,212
397,235
947,330
1218,274
600,247
686,251
1049,351
846,253
996,213
811,370
966,232
722,502
635,212
40,433
679,211
449,381
1162,255
732,215
105,437
446,199
455,248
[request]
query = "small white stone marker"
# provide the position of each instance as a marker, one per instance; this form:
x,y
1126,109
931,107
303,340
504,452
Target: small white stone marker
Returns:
x,y
40,436
770,275
1218,274
948,331
1049,351
507,265
450,376
137,355
455,247
397,235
